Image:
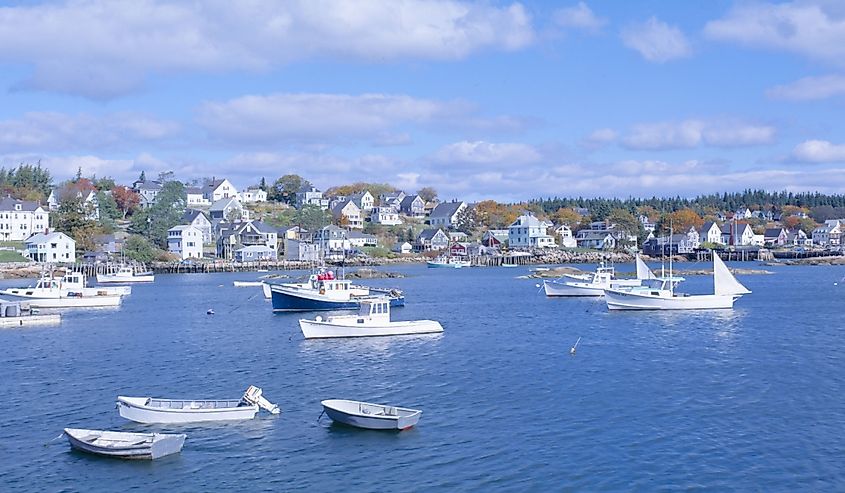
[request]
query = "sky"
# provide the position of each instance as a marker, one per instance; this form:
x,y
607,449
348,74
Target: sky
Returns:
x,y
502,100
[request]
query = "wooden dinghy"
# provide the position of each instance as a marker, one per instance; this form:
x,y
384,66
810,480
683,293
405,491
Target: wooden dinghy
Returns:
x,y
371,416
154,410
124,445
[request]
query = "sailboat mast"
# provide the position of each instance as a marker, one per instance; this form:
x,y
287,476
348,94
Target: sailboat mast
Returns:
x,y
671,283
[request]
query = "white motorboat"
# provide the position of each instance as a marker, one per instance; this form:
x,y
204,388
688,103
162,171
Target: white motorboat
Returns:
x,y
373,319
75,281
154,410
247,284
125,445
447,262
371,416
265,288
50,292
659,293
125,274
590,284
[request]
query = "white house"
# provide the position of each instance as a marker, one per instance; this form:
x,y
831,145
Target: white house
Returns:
x,y
829,234
311,196
358,239
403,248
446,213
51,247
737,234
529,232
412,205
798,238
385,215
20,219
236,235
710,233
567,239
364,200
219,189
198,220
349,213
743,213
598,240
393,199
195,197
252,195
185,241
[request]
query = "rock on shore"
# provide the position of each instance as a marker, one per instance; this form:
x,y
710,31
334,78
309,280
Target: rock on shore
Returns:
x,y
365,273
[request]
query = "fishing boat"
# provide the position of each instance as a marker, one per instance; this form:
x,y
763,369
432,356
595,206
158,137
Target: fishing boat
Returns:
x,y
124,445
322,291
170,411
125,274
373,319
659,293
50,292
371,416
590,284
447,262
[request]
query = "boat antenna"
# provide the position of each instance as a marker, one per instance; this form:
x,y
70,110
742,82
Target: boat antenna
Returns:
x,y
671,283
573,348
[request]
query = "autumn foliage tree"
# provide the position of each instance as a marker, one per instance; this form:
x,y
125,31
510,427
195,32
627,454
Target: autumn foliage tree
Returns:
x,y
127,200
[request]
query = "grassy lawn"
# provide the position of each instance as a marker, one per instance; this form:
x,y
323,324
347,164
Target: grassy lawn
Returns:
x,y
14,244
10,256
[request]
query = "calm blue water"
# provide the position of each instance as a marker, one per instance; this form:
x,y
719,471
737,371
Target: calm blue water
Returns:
x,y
750,399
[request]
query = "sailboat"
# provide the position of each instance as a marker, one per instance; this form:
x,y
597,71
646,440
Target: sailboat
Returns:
x,y
659,293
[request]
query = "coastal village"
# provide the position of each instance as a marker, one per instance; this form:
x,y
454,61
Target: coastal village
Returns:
x,y
91,220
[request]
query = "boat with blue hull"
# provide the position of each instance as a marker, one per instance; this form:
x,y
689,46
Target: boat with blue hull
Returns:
x,y
323,292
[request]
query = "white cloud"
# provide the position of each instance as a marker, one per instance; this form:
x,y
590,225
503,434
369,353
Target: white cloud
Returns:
x,y
656,41
819,151
815,30
51,131
103,49
688,134
578,17
487,154
380,119
810,88
599,138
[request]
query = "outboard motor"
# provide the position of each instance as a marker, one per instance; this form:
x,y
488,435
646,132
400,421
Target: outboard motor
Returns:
x,y
253,396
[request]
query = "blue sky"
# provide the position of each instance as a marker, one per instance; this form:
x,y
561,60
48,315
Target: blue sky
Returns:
x,y
499,100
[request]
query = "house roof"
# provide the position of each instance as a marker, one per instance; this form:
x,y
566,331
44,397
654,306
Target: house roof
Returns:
x,y
338,207
773,232
408,200
707,227
428,234
182,227
223,204
148,185
446,209
528,220
593,235
193,190
357,234
191,214
43,238
263,228
8,204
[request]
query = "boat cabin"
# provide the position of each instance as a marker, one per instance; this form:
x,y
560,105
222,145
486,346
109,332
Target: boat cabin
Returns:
x,y
374,309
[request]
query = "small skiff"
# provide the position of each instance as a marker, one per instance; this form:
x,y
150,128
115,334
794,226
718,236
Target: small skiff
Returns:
x,y
371,416
247,284
125,445
373,319
173,411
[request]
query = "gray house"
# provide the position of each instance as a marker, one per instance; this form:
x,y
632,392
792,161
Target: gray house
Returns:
x,y
446,213
431,239
413,206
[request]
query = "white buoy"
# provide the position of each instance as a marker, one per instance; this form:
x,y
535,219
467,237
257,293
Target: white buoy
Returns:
x,y
210,312
536,285
573,348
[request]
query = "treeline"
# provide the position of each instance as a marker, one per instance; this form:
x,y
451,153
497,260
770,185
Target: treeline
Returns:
x,y
26,182
702,204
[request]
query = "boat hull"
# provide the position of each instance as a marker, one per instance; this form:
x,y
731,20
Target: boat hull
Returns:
x,y
132,410
299,300
147,446
621,300
74,302
447,265
312,329
405,419
578,288
110,278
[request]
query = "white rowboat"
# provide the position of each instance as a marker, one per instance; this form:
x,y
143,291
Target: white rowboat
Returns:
x,y
125,445
371,416
153,410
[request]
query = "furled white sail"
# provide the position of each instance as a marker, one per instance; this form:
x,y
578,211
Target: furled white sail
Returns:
x,y
643,272
724,282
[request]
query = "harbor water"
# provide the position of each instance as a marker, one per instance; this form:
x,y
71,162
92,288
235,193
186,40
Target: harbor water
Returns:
x,y
748,399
